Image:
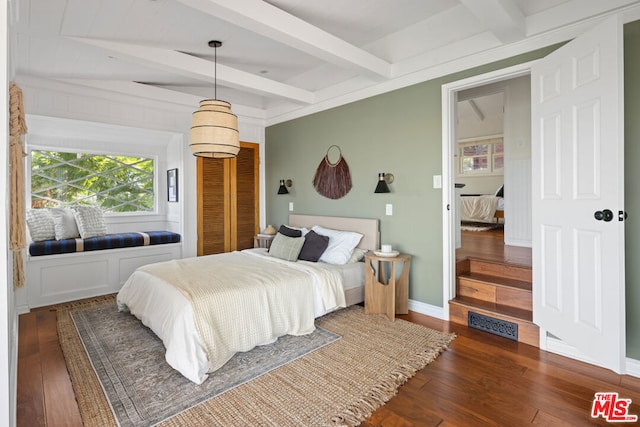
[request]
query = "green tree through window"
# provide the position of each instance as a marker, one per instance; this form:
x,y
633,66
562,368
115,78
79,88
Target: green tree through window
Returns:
x,y
113,183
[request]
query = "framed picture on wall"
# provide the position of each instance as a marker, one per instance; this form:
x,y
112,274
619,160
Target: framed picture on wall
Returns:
x,y
172,185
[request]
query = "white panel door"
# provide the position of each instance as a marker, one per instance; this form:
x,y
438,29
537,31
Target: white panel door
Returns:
x,y
577,162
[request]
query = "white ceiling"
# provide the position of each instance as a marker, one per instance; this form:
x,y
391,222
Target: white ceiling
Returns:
x,y
282,58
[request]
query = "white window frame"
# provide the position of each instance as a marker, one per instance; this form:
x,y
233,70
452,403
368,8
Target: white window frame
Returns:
x,y
490,140
156,163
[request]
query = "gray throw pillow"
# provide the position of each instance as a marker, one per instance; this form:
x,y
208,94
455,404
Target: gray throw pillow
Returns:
x,y
287,248
314,246
289,232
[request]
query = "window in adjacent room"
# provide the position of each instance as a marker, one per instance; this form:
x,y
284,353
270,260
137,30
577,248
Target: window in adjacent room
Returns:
x,y
485,156
111,182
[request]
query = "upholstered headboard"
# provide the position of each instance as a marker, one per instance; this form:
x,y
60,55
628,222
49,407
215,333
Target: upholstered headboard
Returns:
x,y
369,228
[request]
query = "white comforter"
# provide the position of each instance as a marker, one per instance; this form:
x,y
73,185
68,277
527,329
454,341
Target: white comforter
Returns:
x,y
282,298
478,208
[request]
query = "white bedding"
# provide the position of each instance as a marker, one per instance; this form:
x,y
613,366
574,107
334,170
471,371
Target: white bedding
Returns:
x,y
479,208
170,315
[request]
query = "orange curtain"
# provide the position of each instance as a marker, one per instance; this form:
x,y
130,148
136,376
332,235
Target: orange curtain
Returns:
x,y
17,229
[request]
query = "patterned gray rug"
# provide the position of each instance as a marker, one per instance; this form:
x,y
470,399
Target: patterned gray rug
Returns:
x,y
143,390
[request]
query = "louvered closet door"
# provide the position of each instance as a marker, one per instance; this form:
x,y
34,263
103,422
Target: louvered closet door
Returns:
x,y
246,194
228,200
213,206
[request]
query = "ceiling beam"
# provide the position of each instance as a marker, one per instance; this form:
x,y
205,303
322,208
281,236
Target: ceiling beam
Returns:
x,y
501,17
262,18
200,69
476,109
142,90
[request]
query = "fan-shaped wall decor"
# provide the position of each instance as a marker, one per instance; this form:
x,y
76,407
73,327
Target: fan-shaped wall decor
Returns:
x,y
332,180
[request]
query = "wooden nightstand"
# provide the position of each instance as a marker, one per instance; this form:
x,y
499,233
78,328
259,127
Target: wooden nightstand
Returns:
x,y
384,294
263,240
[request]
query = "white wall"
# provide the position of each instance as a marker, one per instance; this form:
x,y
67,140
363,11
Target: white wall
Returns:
x,y
517,171
8,316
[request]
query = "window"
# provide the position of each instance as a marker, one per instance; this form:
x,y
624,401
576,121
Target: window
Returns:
x,y
484,156
113,183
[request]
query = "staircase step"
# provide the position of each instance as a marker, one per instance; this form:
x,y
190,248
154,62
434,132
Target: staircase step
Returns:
x,y
494,268
528,332
500,290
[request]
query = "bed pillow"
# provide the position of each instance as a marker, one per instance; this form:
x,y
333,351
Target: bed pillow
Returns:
x,y
90,221
287,248
356,256
64,223
314,246
303,230
341,244
500,192
289,232
40,224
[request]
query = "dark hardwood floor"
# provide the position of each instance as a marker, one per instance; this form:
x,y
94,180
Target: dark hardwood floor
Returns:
x,y
480,380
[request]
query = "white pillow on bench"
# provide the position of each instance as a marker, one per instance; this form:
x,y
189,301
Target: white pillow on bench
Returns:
x,y
64,222
90,221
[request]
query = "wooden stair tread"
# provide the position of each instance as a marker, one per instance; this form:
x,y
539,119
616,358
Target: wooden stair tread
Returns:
x,y
497,280
507,263
500,309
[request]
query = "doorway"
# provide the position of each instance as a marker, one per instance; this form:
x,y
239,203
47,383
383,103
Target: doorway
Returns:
x,y
518,232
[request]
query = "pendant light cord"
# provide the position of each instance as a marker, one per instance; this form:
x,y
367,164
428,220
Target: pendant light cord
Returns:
x,y
215,72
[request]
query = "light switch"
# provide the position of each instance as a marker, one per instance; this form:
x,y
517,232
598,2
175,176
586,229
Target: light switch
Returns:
x,y
389,209
437,181
290,206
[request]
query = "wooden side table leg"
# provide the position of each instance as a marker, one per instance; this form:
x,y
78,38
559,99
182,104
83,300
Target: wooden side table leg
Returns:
x,y
370,295
391,294
402,289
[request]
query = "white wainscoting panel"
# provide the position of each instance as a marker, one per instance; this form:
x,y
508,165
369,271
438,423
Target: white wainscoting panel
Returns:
x,y
517,200
53,279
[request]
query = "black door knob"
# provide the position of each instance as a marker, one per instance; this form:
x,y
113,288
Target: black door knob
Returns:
x,y
604,215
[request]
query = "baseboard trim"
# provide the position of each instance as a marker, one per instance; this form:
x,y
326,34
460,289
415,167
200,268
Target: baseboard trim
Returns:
x,y
557,346
427,309
554,345
633,367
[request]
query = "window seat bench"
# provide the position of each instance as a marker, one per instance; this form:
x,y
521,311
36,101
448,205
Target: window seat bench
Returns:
x,y
109,241
72,269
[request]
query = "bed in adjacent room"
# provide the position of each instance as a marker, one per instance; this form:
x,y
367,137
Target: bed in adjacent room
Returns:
x,y
483,207
258,295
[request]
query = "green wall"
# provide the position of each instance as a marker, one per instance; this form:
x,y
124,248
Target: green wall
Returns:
x,y
401,132
632,178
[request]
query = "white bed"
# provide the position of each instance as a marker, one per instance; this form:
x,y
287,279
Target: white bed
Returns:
x,y
165,310
483,208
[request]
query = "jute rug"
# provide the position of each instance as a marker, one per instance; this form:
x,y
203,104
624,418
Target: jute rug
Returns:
x,y
341,383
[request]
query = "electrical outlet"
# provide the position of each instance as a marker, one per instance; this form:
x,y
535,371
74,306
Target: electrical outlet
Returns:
x,y
389,209
437,181
290,206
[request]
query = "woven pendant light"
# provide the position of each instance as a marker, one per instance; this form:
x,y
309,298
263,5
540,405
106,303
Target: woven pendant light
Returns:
x,y
214,127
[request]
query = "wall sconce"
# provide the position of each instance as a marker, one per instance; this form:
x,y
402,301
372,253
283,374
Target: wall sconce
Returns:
x,y
384,179
283,186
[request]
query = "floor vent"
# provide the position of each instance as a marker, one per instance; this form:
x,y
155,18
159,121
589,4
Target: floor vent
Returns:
x,y
493,326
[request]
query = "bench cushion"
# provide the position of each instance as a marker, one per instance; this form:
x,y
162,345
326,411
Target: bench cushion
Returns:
x,y
109,241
